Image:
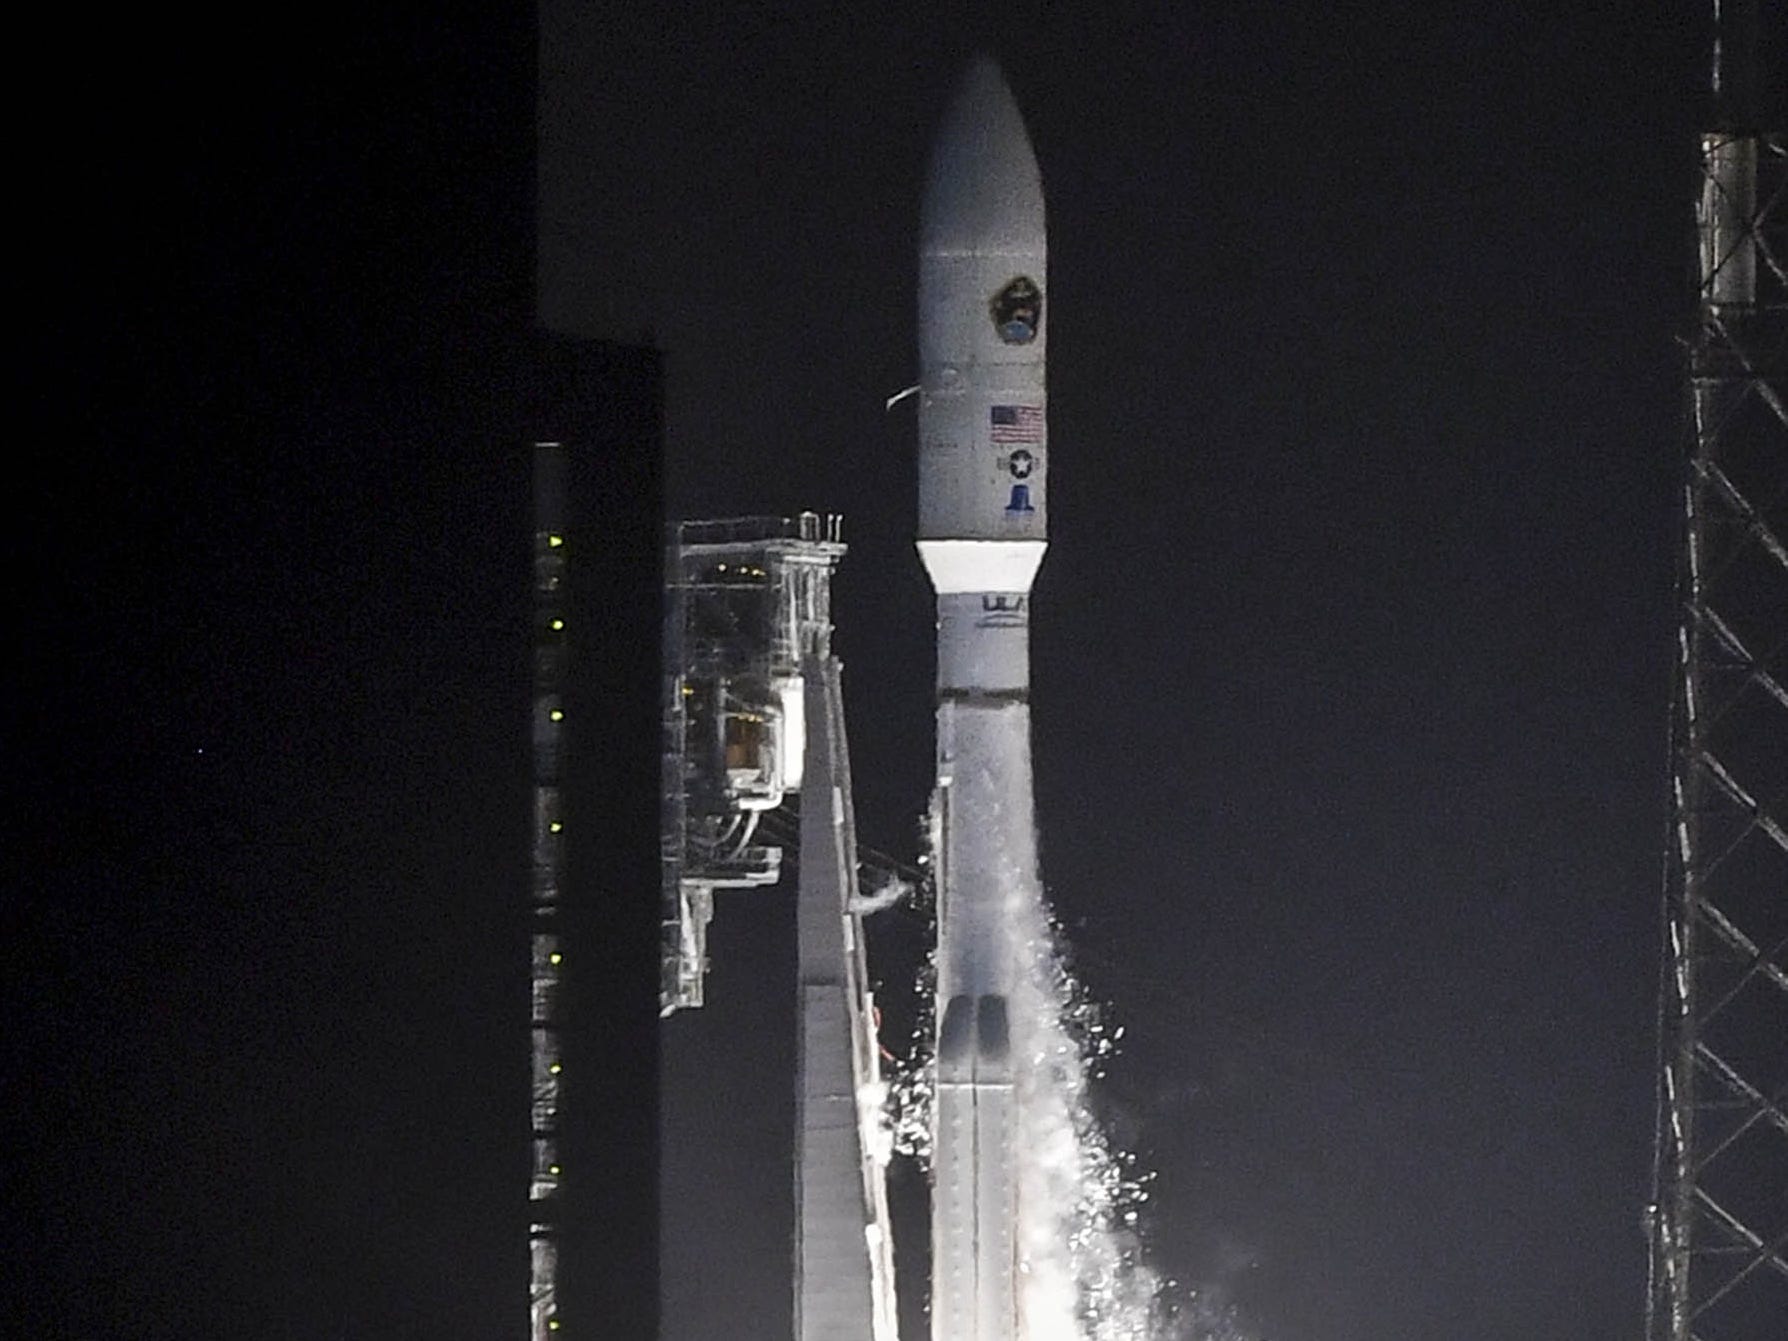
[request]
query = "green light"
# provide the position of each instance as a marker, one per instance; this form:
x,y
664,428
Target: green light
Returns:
x,y
554,541
555,1068
553,1169
554,957
557,715
555,826
558,624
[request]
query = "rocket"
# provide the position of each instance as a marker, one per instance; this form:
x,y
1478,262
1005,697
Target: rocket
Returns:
x,y
983,493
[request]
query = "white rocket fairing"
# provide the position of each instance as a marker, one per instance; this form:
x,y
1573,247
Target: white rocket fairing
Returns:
x,y
983,478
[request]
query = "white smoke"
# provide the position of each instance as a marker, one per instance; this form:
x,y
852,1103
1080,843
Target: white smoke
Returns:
x,y
1085,1278
1084,1273
893,890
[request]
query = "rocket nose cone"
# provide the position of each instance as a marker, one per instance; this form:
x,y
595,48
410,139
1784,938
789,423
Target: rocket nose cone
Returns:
x,y
983,191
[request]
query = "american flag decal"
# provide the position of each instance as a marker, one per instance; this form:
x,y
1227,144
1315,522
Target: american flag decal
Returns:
x,y
1016,423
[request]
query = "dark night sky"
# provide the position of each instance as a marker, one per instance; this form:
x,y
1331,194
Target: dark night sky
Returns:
x,y
1351,651
1352,645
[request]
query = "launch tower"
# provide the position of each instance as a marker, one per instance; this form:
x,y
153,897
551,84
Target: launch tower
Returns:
x,y
737,595
754,719
1719,1212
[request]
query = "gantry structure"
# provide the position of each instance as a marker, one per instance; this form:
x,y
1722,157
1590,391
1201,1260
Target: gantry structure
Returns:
x,y
743,600
1718,1217
753,728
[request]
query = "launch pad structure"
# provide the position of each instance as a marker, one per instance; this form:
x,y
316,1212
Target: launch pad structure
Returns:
x,y
1718,1217
754,719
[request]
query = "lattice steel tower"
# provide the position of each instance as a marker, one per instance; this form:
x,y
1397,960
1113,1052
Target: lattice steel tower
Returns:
x,y
1719,1212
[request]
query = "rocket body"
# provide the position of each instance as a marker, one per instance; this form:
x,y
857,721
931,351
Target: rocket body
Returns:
x,y
983,435
983,439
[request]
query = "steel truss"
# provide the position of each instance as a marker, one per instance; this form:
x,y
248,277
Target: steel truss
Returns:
x,y
1719,1213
